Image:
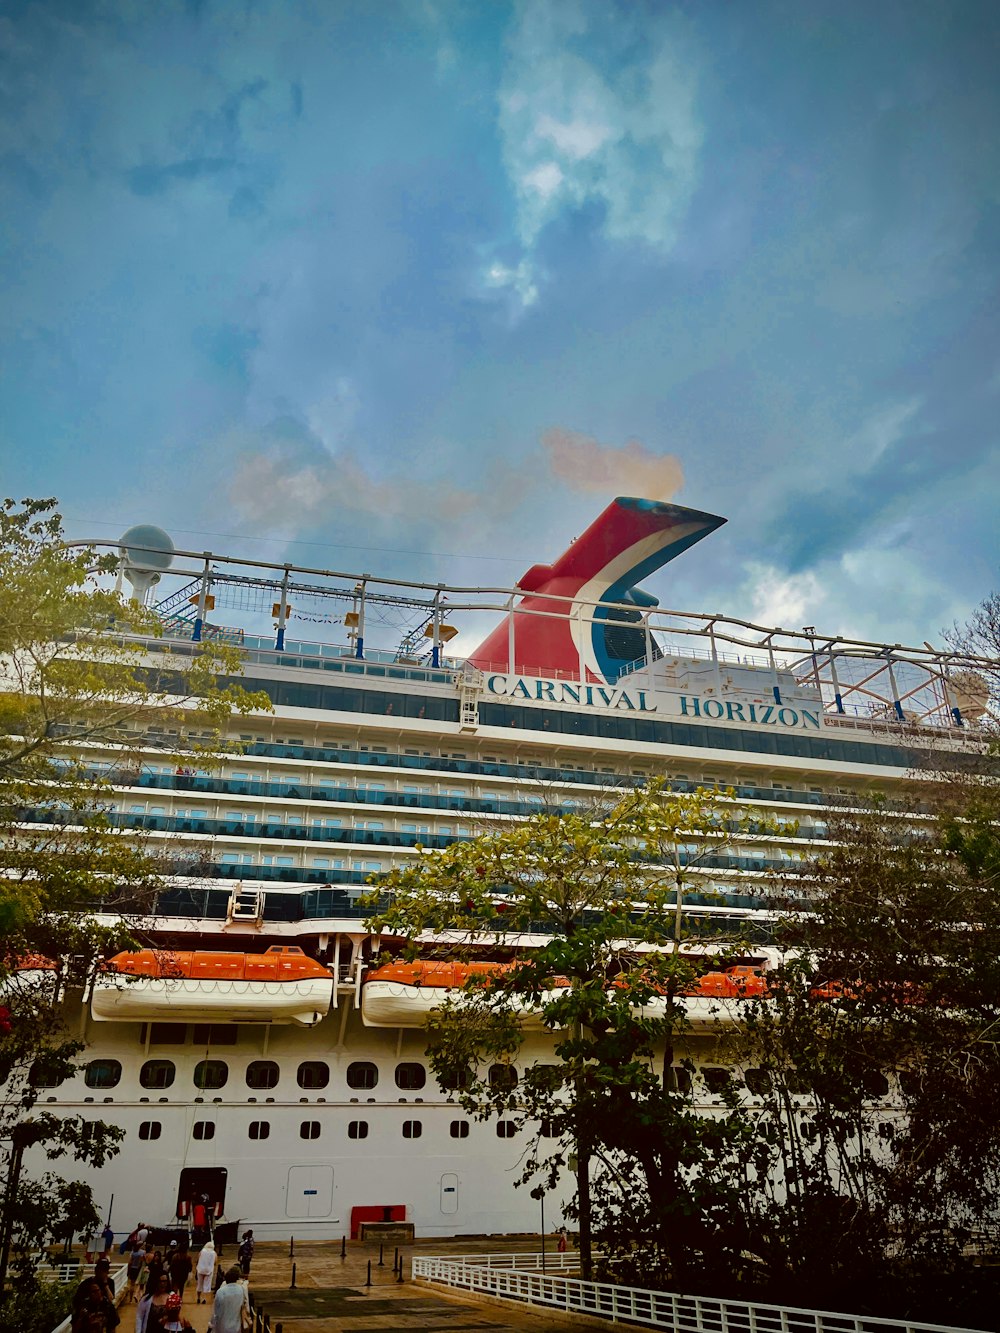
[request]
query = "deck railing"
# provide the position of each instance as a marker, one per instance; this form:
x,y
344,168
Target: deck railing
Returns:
x,y
519,1277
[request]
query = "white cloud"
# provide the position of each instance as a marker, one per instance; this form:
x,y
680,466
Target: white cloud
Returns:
x,y
779,600
623,135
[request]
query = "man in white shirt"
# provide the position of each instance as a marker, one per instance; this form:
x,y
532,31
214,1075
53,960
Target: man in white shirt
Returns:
x,y
231,1300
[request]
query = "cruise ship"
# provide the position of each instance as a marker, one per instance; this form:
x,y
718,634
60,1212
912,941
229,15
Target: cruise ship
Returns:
x,y
264,1054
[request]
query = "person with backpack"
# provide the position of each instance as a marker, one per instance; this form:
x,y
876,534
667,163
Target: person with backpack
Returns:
x,y
245,1252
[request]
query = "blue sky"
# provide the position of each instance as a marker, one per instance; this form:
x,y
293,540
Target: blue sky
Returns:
x,y
417,288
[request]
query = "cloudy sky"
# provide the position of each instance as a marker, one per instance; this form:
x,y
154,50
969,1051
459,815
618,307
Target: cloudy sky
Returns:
x,y
418,287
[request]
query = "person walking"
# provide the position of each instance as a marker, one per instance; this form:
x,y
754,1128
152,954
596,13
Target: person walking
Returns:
x,y
232,1301
153,1304
135,1262
108,1237
245,1252
174,1321
180,1266
205,1272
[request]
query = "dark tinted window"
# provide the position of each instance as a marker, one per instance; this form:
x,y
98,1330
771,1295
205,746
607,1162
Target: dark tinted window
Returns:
x,y
157,1074
459,1129
164,1034
103,1074
410,1076
260,1129
262,1074
362,1074
313,1074
506,1129
503,1076
204,1129
357,1129
412,1129
210,1075
309,1129
150,1129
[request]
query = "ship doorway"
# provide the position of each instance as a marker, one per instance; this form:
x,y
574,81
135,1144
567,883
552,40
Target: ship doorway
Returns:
x,y
449,1193
310,1191
202,1187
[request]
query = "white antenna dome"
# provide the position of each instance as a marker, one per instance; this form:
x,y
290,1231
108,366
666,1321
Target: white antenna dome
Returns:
x,y
147,552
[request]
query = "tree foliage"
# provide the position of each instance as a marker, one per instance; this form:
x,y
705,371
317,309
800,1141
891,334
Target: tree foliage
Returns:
x,y
82,675
600,900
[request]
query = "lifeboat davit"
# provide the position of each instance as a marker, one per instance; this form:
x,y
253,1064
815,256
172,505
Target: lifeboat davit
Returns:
x,y
150,985
402,995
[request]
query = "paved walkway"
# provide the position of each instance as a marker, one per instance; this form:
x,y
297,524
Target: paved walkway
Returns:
x,y
330,1294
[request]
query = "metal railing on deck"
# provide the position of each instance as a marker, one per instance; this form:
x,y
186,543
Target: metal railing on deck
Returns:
x,y
518,1277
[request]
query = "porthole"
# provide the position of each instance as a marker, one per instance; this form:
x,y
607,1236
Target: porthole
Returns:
x,y
410,1076
412,1129
157,1074
362,1074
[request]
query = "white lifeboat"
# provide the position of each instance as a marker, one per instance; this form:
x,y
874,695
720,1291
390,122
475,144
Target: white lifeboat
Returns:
x,y
402,995
150,985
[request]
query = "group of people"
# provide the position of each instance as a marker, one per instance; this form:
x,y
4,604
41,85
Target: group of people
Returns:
x,y
156,1282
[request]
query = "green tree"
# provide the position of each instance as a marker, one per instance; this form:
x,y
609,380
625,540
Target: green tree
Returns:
x,y
82,675
603,899
875,1065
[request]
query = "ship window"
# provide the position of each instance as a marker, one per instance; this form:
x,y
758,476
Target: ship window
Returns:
x,y
157,1074
506,1129
503,1076
679,1079
259,1129
459,1129
716,1079
758,1081
164,1034
203,1129
44,1074
357,1129
103,1074
209,1075
309,1129
150,1129
215,1034
548,1129
410,1076
262,1074
313,1074
454,1079
412,1129
362,1074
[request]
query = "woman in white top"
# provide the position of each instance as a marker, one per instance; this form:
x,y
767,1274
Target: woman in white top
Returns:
x,y
205,1271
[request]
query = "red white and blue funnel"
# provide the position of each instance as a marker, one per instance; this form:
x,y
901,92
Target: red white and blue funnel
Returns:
x,y
595,634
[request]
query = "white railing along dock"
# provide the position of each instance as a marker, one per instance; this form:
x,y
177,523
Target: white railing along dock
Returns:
x,y
519,1277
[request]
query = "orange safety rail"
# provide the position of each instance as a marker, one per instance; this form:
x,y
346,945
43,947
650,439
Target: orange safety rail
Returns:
x,y
277,964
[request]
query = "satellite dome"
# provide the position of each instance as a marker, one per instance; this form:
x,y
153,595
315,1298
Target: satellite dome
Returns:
x,y
147,547
147,552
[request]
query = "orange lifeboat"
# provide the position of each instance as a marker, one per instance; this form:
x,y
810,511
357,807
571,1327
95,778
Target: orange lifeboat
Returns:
x,y
282,985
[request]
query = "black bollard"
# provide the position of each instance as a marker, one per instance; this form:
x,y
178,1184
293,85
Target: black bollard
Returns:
x,y
395,1260
343,1247
400,1278
381,1261
293,1277
278,1327
291,1247
369,1282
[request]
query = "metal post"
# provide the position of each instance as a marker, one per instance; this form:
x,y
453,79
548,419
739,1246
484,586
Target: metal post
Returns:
x,y
436,628
200,611
343,1247
395,1260
541,1200
293,1277
359,642
279,641
838,698
291,1247
369,1282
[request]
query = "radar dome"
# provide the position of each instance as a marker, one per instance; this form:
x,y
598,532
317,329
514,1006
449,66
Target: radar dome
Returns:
x,y
147,552
147,547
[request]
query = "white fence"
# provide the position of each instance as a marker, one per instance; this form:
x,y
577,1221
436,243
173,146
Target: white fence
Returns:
x,y
518,1277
